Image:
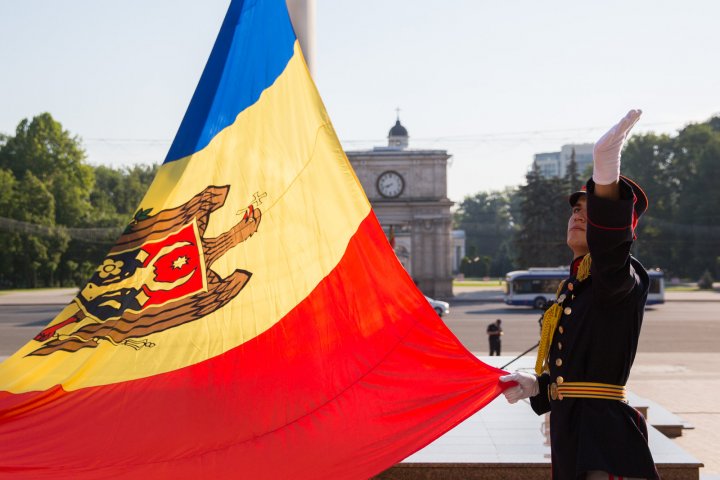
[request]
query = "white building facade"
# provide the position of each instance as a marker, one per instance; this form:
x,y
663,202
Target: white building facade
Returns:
x,y
408,192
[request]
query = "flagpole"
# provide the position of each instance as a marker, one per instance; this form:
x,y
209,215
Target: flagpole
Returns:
x,y
521,355
302,15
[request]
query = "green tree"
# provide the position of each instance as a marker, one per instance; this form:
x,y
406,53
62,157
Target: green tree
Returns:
x,y
45,186
680,230
56,158
114,199
30,259
698,154
572,177
647,159
117,193
488,225
540,238
7,190
7,186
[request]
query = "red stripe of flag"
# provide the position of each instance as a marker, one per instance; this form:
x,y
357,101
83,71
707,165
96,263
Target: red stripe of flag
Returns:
x,y
318,381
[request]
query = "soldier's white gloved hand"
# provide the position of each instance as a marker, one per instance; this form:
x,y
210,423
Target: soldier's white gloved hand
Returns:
x,y
527,386
606,154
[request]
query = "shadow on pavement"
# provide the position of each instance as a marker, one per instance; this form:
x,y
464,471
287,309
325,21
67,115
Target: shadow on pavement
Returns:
x,y
38,323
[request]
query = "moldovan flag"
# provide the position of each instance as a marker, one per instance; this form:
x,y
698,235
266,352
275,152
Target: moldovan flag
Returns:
x,y
252,320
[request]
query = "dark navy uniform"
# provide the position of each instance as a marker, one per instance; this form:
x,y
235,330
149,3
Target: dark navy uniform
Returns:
x,y
595,341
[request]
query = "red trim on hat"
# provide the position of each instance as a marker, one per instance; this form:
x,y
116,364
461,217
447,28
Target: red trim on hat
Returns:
x,y
635,217
611,228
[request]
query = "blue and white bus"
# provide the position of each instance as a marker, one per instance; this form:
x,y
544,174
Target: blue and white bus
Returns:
x,y
657,287
536,287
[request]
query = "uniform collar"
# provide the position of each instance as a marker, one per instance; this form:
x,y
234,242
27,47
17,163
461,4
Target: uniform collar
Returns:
x,y
575,265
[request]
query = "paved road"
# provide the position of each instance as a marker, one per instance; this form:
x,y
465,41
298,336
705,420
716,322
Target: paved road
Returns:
x,y
677,326
20,323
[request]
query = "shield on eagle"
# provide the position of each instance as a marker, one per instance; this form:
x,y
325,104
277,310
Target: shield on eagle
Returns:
x,y
157,276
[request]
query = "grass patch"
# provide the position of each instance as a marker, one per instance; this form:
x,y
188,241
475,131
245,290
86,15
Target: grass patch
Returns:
x,y
681,288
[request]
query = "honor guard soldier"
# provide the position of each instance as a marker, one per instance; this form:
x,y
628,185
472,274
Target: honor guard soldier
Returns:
x,y
590,333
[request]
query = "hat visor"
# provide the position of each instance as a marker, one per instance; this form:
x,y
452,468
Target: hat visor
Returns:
x,y
573,199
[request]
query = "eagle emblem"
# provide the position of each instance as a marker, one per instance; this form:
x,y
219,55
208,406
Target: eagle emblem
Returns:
x,y
157,276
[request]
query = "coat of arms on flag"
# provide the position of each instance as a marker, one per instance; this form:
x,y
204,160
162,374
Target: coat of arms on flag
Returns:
x,y
252,321
157,276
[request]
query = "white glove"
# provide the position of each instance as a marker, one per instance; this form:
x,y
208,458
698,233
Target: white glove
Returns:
x,y
606,154
527,386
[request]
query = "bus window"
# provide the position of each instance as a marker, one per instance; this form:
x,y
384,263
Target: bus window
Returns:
x,y
656,289
536,285
531,288
654,285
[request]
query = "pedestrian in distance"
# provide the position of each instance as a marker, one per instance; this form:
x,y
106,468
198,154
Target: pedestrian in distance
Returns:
x,y
494,331
590,333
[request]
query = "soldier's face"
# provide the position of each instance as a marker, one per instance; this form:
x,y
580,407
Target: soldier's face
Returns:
x,y
577,228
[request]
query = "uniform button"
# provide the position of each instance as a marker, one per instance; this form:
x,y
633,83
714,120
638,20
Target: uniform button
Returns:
x,y
570,286
561,298
572,297
567,310
559,345
558,362
561,329
560,380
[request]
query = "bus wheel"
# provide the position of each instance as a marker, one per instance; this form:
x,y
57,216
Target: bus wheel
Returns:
x,y
539,303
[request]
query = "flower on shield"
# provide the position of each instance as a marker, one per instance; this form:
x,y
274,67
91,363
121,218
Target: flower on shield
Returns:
x,y
110,268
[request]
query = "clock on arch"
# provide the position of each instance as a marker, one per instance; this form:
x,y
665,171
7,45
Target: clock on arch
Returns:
x,y
390,184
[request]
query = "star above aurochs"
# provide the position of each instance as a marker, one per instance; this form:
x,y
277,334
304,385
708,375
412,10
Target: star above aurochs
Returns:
x,y
180,262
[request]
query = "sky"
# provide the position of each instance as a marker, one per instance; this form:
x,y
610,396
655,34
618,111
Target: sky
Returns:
x,y
491,82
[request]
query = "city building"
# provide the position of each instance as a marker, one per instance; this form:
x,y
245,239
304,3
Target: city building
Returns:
x,y
554,164
407,189
548,164
458,248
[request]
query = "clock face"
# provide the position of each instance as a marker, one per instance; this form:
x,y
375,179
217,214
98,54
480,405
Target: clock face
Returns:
x,y
390,184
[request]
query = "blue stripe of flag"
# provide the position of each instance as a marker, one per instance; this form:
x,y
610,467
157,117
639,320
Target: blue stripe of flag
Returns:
x,y
253,47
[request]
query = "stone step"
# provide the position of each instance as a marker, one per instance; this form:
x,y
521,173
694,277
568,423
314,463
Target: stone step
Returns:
x,y
659,417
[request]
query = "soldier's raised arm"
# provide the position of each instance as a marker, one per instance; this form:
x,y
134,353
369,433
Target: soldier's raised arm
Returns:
x,y
614,204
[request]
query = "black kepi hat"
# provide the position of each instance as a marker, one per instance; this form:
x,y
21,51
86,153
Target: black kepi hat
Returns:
x,y
639,207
